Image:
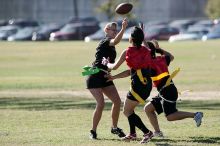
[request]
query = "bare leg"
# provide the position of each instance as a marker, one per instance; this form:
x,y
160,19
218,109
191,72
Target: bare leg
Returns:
x,y
97,114
133,119
150,111
112,93
129,106
179,115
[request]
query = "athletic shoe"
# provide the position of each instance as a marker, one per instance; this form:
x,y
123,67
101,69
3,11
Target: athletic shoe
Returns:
x,y
129,137
93,135
118,132
198,118
158,134
147,137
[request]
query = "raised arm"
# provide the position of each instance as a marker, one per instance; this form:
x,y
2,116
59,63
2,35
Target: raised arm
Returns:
x,y
162,51
118,37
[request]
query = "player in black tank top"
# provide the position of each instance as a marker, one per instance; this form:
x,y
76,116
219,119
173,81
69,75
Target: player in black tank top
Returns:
x,y
103,50
97,84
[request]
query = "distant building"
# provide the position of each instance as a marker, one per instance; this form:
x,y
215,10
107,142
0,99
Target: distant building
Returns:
x,y
62,10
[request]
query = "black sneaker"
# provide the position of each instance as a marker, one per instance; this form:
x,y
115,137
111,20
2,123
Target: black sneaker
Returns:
x,y
118,131
93,135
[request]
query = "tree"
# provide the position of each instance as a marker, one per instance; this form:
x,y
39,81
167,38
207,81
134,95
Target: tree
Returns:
x,y
108,8
212,9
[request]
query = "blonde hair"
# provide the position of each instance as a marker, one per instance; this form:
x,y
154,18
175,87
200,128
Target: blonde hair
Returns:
x,y
110,25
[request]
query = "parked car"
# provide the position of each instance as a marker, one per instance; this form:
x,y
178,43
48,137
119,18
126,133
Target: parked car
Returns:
x,y
23,23
182,25
189,35
205,23
44,32
96,36
217,21
23,34
75,31
6,31
160,32
214,33
156,22
3,23
83,20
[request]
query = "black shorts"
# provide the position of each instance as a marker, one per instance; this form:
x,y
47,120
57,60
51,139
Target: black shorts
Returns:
x,y
169,93
142,90
97,81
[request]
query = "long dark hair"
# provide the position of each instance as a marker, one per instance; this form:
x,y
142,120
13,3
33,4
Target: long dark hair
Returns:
x,y
137,36
152,48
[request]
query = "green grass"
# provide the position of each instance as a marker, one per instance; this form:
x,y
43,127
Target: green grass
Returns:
x,y
58,65
66,121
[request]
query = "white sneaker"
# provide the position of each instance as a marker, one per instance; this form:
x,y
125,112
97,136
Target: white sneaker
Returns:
x,y
158,134
198,118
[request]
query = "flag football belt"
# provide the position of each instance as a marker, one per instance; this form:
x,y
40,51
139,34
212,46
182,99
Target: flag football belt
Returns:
x,y
144,81
168,82
92,70
160,76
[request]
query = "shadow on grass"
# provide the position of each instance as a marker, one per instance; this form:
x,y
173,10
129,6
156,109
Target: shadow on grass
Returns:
x,y
208,140
169,142
200,104
202,140
48,103
63,103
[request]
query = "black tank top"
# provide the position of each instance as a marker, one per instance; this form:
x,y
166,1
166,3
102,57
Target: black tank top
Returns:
x,y
104,50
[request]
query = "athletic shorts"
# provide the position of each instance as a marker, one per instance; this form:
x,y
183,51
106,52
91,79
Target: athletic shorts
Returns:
x,y
97,81
169,93
141,90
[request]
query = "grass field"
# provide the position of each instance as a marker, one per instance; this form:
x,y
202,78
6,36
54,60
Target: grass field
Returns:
x,y
58,65
65,120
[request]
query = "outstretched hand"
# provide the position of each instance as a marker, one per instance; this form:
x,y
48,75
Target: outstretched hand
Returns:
x,y
105,61
124,23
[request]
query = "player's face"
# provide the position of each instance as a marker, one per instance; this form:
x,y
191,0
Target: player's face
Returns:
x,y
112,31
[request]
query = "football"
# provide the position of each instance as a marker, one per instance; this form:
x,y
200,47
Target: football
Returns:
x,y
123,8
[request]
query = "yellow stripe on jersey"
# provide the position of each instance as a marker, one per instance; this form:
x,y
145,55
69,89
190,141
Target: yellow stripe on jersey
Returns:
x,y
171,77
141,78
160,76
136,96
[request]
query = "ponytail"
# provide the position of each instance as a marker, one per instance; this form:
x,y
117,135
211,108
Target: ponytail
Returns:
x,y
152,48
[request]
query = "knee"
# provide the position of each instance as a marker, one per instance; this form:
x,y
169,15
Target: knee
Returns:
x,y
117,102
148,108
100,105
127,113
